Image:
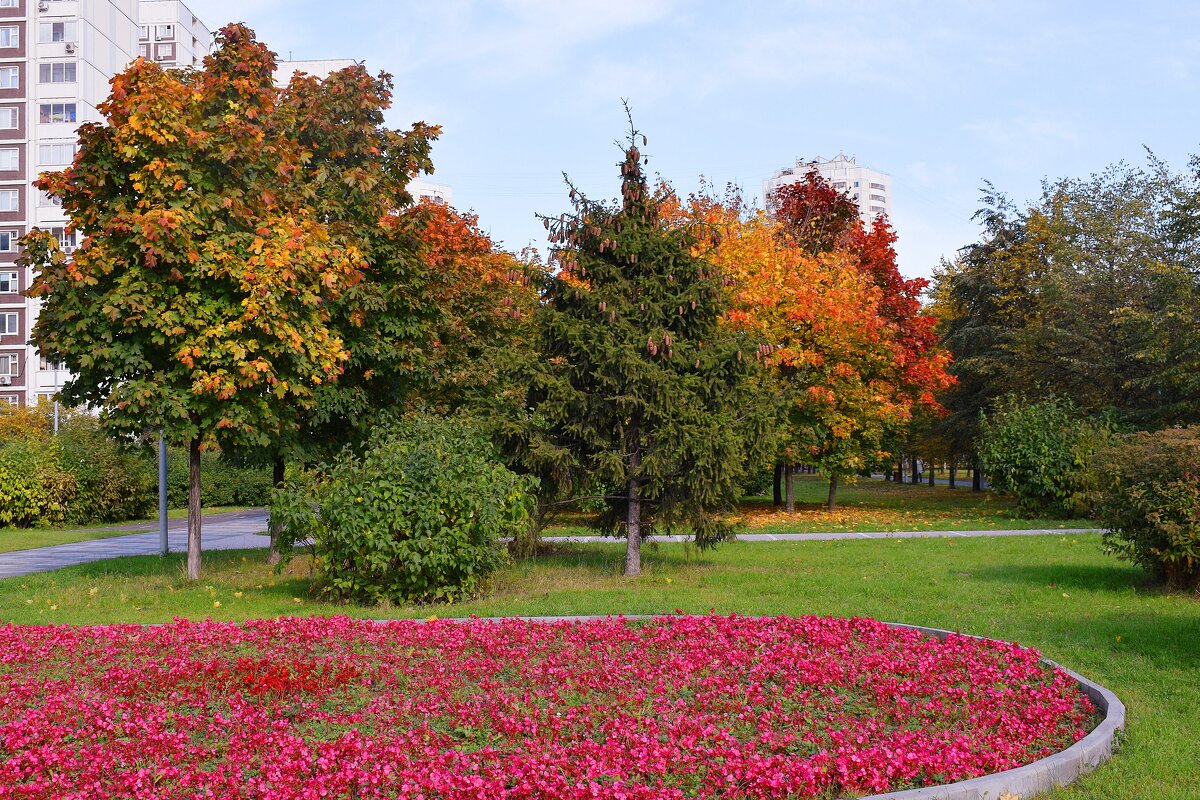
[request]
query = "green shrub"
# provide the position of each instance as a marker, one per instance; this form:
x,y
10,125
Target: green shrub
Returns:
x,y
1041,454
113,483
419,516
1150,502
34,490
222,482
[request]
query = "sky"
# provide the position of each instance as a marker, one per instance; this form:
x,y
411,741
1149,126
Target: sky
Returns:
x,y
943,96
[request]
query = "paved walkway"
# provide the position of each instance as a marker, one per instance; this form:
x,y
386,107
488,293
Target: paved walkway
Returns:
x,y
236,530
232,530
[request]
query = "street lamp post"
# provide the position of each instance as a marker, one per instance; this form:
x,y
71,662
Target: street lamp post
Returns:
x,y
162,494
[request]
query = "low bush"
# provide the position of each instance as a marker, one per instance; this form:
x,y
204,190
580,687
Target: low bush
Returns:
x,y
75,476
1149,499
418,516
1041,453
34,489
113,483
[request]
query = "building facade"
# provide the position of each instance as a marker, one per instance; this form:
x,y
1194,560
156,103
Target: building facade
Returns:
x,y
870,189
170,34
56,60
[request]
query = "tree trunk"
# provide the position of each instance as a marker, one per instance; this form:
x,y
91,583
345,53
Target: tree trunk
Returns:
x,y
277,473
929,467
633,520
976,478
788,472
915,476
833,480
193,544
953,470
898,472
777,498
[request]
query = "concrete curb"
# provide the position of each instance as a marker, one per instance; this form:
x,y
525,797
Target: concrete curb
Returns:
x,y
1041,776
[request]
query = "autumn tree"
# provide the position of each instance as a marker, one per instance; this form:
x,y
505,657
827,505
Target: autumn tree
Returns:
x,y
198,301
1088,293
816,216
355,176
646,384
877,348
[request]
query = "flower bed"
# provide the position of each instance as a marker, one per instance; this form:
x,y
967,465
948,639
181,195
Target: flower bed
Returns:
x,y
727,707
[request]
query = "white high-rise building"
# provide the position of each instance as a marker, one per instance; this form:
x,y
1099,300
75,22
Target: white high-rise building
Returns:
x,y
171,34
56,60
870,189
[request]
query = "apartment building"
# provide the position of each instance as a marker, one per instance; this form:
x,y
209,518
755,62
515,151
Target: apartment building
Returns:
x,y
870,189
56,60
169,33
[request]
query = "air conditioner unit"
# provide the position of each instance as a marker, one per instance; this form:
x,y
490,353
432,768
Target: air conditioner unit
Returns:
x,y
43,6
5,380
70,47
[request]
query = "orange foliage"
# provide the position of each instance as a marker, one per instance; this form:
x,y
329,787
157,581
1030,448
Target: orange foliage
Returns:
x,y
843,332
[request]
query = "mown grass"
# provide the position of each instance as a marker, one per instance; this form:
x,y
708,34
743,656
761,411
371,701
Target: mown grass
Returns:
x,y
873,504
1060,594
28,538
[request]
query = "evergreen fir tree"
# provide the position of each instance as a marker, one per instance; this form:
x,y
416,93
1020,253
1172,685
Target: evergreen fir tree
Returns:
x,y
647,388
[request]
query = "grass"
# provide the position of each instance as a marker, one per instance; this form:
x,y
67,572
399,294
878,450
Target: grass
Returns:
x,y
1060,594
28,538
873,505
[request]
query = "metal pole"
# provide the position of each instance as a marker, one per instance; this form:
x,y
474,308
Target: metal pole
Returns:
x,y
56,415
162,494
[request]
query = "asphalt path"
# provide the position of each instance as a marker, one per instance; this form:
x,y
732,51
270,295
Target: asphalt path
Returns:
x,y
237,530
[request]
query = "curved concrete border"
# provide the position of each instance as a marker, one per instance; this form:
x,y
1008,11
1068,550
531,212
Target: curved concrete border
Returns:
x,y
1049,773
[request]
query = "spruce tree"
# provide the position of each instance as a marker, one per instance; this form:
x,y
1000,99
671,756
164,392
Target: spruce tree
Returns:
x,y
646,386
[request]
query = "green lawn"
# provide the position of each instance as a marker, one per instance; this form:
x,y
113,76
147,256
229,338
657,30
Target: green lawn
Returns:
x,y
1060,594
873,505
27,538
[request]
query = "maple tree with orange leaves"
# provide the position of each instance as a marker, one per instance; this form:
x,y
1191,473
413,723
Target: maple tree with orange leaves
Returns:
x,y
848,350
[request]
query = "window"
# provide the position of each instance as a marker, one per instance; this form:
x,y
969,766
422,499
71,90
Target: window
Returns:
x,y
9,324
10,3
8,283
56,32
46,201
10,159
144,33
58,112
162,32
11,399
876,209
51,366
57,72
878,186
856,184
10,78
164,52
9,365
879,197
9,119
10,36
10,199
8,241
66,238
144,50
60,153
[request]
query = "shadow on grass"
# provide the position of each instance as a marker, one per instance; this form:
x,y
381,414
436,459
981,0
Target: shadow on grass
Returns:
x,y
1091,577
607,556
